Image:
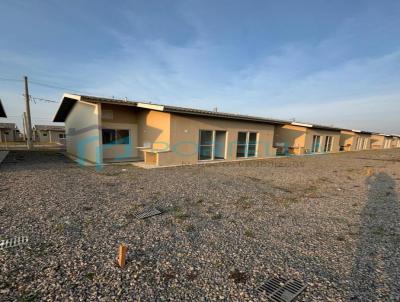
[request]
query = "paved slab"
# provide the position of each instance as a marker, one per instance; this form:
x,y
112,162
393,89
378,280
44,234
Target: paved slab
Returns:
x,y
3,155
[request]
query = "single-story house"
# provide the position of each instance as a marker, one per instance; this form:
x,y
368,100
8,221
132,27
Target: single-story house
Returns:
x,y
396,141
9,132
107,130
300,138
381,141
48,133
2,111
352,140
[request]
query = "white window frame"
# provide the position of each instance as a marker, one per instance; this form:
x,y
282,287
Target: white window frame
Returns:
x,y
313,145
212,144
247,144
328,143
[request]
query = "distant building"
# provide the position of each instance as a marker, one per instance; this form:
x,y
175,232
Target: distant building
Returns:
x,y
354,140
299,138
396,141
48,134
9,133
381,141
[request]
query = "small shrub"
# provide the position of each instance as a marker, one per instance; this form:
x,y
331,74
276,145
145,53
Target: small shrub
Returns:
x,y
249,233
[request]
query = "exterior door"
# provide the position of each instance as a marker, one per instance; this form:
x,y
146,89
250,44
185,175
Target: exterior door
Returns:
x,y
316,144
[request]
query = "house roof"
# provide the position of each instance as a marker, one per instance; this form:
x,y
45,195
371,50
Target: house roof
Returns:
x,y
49,127
2,111
358,131
69,101
7,126
316,126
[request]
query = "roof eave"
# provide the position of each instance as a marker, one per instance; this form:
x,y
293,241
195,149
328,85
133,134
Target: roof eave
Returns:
x,y
2,111
222,116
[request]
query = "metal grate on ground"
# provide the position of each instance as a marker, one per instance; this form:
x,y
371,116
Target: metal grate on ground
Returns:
x,y
148,213
13,242
281,290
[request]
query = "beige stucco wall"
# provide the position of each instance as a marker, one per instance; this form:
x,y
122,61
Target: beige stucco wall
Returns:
x,y
120,117
154,129
184,138
380,142
301,138
349,140
396,142
323,133
291,136
50,137
83,132
11,135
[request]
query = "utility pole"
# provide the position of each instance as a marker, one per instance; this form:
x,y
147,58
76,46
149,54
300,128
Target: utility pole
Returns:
x,y
28,116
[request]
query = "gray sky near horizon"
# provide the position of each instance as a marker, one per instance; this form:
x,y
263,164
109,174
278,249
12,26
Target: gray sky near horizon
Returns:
x,y
327,62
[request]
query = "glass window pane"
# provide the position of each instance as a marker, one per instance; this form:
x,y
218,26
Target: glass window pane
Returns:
x,y
108,136
253,138
122,136
205,152
205,137
241,151
252,151
242,138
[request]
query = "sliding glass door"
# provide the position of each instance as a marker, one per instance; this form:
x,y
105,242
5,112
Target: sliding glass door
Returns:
x,y
316,144
212,144
206,145
328,144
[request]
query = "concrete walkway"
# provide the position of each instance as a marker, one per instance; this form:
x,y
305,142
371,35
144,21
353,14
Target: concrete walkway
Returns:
x,y
3,155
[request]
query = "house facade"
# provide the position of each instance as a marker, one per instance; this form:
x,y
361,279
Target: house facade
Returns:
x,y
9,133
355,140
103,130
298,138
381,141
396,141
48,134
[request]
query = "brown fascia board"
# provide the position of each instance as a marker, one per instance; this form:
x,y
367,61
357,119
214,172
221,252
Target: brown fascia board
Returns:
x,y
315,126
223,115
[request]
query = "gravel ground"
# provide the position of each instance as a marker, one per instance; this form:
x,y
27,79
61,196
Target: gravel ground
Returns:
x,y
331,221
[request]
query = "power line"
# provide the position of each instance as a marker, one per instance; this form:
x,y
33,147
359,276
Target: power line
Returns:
x,y
57,87
44,84
10,80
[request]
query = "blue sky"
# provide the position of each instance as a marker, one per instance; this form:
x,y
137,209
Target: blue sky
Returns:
x,y
329,62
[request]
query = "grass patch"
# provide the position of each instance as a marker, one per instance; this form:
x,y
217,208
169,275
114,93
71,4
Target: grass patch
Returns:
x,y
244,202
249,233
90,275
379,231
179,214
31,297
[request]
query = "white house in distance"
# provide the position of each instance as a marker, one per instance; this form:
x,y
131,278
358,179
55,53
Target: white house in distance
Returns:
x,y
9,133
48,134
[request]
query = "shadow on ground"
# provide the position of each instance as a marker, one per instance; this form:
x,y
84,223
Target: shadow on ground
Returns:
x,y
376,270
